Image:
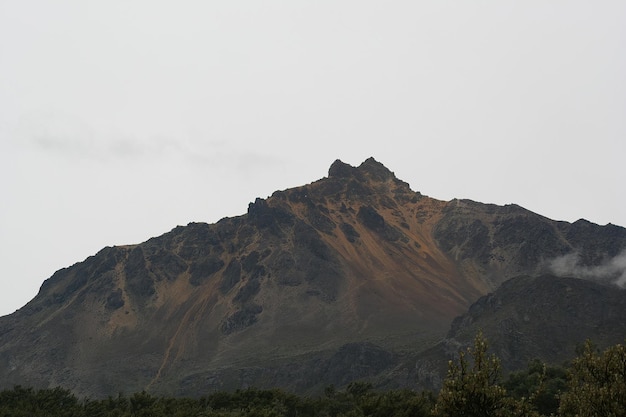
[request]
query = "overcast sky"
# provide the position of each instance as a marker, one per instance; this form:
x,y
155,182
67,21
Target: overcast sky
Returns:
x,y
121,119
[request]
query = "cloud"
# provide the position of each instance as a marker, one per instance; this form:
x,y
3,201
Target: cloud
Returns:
x,y
71,137
74,140
612,270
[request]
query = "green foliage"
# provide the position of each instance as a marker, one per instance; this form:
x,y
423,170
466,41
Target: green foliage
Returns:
x,y
28,402
542,385
597,383
359,399
595,386
401,403
472,387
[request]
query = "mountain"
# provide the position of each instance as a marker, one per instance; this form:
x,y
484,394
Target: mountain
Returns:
x,y
329,282
543,317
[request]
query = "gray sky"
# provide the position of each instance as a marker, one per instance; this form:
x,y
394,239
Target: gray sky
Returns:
x,y
121,119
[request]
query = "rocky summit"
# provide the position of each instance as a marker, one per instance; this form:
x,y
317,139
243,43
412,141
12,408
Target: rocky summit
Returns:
x,y
343,279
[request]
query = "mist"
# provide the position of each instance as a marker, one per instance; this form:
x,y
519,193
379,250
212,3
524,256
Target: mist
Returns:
x,y
612,270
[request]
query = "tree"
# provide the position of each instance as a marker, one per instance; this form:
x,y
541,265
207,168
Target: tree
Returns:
x,y
397,403
540,384
597,383
472,387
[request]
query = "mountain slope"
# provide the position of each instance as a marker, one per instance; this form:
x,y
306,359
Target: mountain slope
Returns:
x,y
544,317
357,257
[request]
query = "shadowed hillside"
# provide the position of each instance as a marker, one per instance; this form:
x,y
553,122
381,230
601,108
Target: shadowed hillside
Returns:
x,y
546,317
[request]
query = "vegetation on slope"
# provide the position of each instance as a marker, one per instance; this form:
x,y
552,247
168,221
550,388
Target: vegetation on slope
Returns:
x,y
594,384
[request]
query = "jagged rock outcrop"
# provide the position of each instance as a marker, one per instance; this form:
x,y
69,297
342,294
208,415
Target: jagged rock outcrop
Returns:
x,y
356,260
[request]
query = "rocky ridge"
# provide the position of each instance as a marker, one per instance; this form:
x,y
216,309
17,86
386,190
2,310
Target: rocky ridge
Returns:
x,y
346,274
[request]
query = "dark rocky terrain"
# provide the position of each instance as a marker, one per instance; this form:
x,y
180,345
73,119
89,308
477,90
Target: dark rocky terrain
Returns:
x,y
350,277
544,317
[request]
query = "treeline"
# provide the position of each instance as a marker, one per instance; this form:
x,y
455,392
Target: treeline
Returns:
x,y
357,400
593,385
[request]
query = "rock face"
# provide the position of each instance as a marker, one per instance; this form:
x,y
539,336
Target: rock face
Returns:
x,y
543,317
320,284
562,311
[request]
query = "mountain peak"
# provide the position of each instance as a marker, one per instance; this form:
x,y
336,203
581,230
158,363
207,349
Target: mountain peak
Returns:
x,y
340,169
371,168
376,170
